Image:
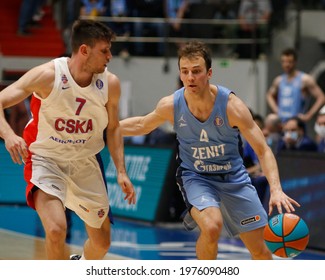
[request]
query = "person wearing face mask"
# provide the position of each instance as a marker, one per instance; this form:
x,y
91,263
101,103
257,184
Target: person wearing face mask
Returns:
x,y
295,137
320,130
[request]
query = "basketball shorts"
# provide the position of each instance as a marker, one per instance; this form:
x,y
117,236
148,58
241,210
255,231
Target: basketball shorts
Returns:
x,y
79,184
237,200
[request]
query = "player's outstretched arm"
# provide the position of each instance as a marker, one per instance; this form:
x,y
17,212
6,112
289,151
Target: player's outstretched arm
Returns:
x,y
141,125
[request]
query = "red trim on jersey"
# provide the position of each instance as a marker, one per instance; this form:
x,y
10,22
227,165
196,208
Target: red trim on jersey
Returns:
x,y
30,133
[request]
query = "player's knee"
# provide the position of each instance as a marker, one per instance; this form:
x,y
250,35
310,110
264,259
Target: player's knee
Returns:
x,y
212,231
103,243
56,232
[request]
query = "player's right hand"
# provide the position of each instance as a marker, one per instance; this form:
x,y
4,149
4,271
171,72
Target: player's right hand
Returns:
x,y
17,148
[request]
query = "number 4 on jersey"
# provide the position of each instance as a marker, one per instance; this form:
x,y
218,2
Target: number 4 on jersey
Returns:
x,y
204,136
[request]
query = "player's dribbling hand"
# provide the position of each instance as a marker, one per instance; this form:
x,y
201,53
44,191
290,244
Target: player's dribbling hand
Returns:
x,y
17,148
279,199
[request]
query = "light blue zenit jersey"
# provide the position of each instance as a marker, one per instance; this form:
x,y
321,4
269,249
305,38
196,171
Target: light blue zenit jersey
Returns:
x,y
290,98
210,147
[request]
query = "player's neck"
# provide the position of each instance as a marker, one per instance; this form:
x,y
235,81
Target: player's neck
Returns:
x,y
292,74
78,72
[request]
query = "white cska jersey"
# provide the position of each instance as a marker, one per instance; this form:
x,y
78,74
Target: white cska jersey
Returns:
x,y
70,122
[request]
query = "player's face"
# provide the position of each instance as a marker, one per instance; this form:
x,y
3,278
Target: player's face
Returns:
x,y
99,57
193,74
288,63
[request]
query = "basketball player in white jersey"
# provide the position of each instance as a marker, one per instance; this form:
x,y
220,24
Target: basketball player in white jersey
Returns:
x,y
214,183
74,101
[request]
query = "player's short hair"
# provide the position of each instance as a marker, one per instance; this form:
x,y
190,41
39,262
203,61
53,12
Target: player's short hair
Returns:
x,y
290,52
89,32
193,49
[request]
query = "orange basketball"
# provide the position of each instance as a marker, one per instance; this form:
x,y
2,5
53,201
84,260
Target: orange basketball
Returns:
x,y
286,235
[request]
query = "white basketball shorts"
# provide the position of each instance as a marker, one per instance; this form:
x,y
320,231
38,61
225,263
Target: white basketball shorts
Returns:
x,y
79,184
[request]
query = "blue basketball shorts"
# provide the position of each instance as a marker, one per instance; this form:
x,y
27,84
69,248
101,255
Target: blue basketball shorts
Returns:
x,y
233,194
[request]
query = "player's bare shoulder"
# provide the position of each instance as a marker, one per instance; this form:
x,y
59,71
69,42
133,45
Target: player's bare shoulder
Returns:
x,y
114,84
165,108
237,111
276,82
40,79
112,78
308,80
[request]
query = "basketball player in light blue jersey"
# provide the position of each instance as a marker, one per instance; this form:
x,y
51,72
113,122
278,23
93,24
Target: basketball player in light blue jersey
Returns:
x,y
213,180
288,93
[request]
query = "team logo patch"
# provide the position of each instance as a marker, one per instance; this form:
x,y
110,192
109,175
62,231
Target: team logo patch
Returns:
x,y
218,121
99,84
250,220
64,79
101,213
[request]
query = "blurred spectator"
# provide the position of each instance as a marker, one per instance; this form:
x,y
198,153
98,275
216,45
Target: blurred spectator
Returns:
x,y
26,20
320,130
226,10
175,11
273,131
289,92
250,12
149,9
93,8
278,16
199,9
295,137
120,8
69,12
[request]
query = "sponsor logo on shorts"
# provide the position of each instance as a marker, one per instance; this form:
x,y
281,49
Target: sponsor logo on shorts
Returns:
x,y
101,213
250,220
84,208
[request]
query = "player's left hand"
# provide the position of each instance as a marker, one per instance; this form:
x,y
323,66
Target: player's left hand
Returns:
x,y
127,187
279,199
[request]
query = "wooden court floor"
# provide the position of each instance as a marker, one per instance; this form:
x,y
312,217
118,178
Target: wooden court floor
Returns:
x,y
18,246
